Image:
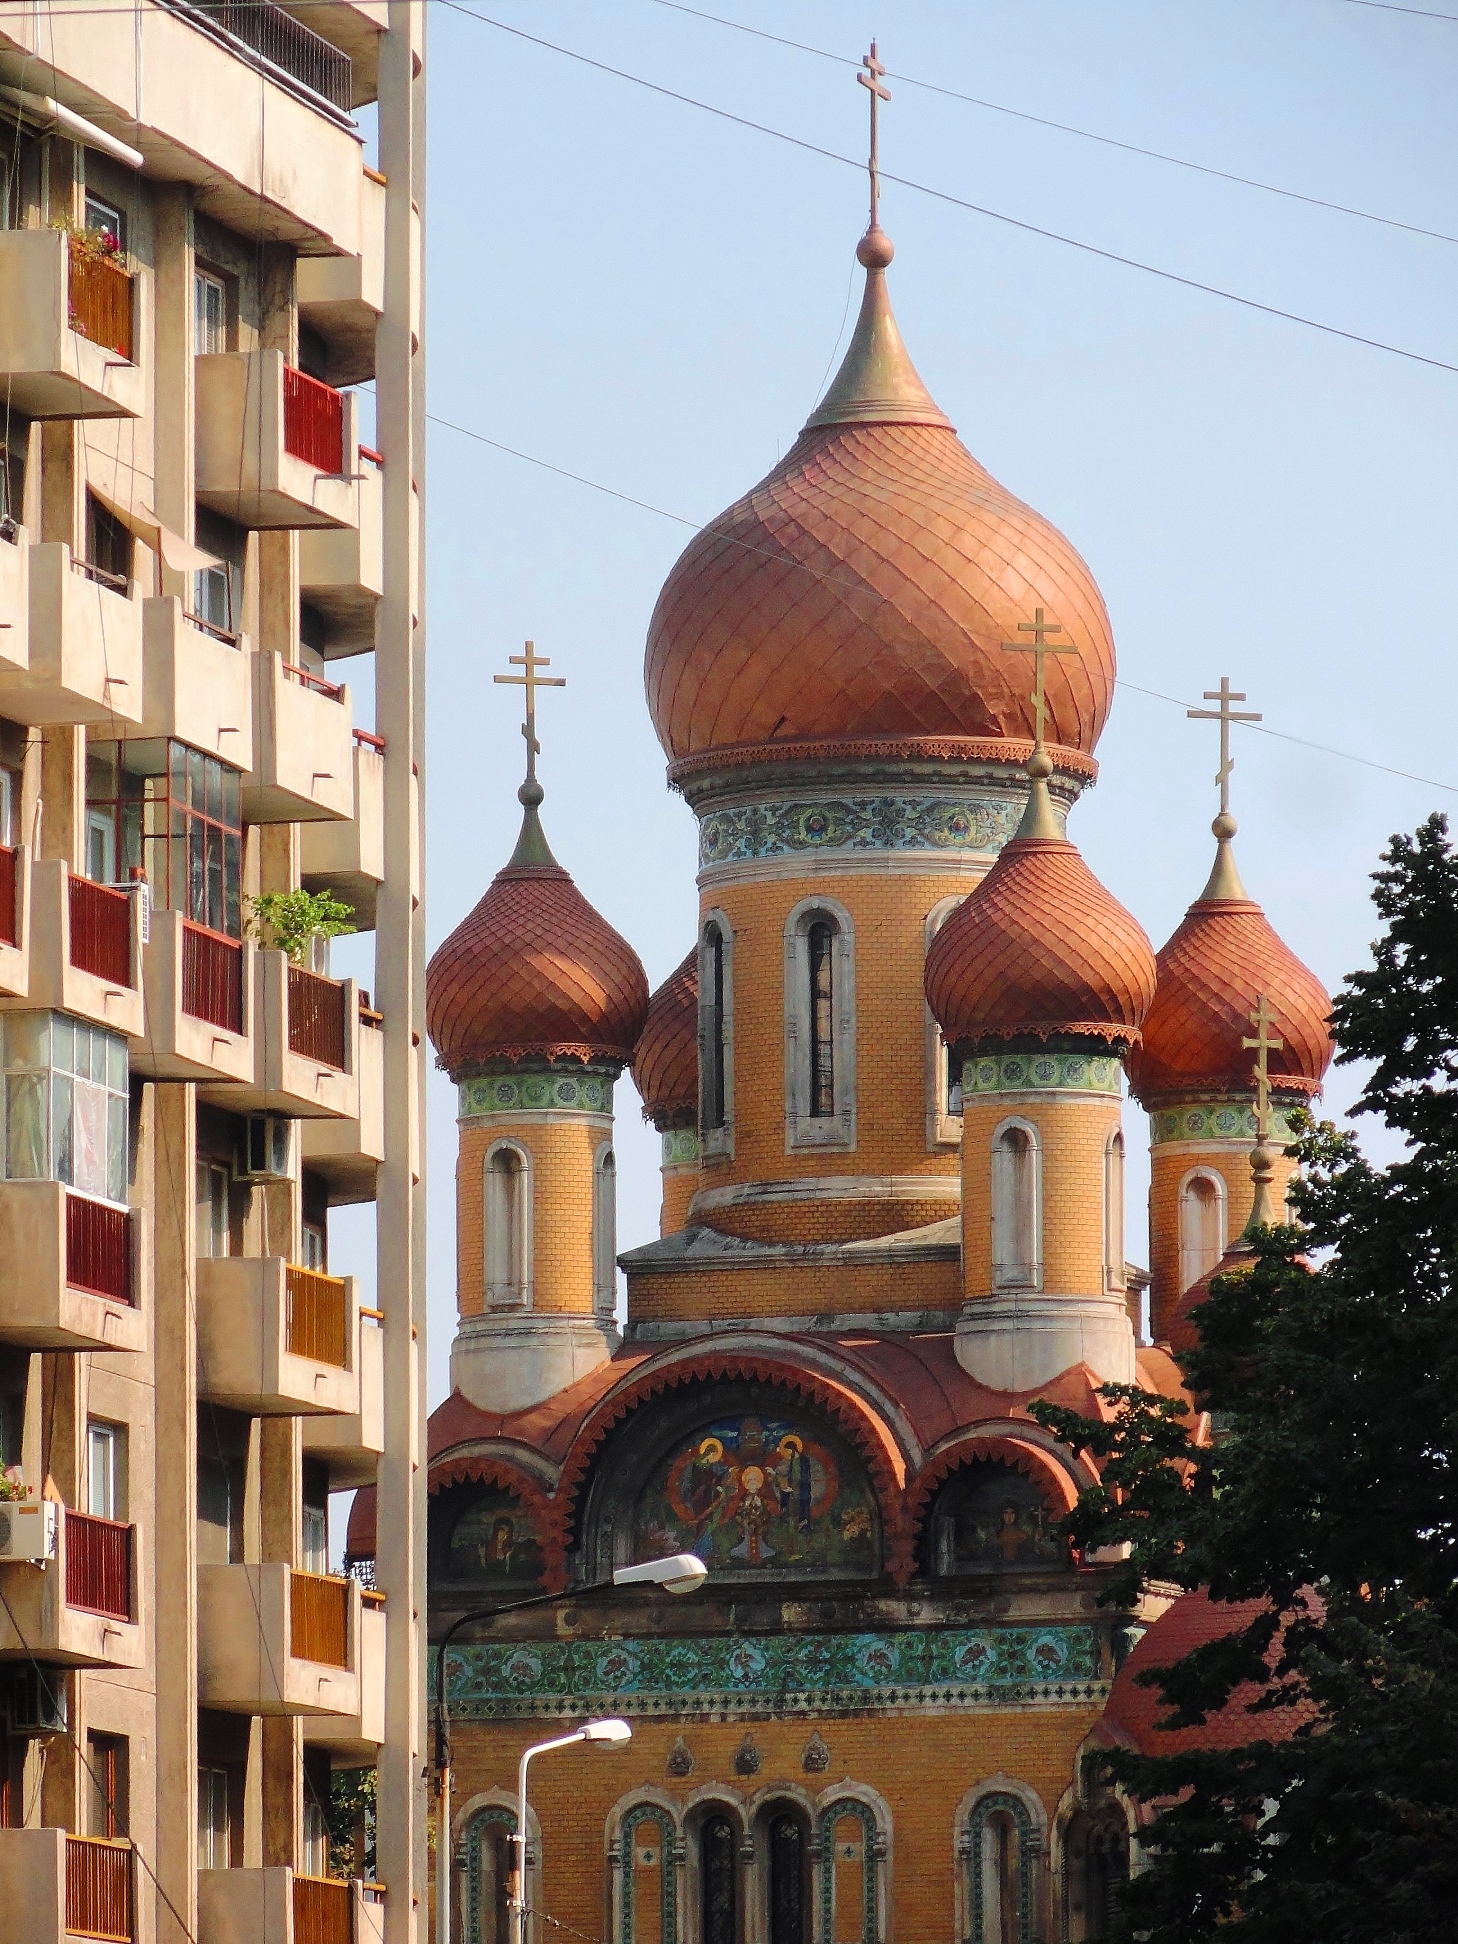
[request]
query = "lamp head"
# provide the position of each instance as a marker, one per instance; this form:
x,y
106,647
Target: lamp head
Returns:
x,y
613,1731
679,1573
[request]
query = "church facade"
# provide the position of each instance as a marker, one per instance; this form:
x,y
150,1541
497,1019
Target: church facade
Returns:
x,y
889,1077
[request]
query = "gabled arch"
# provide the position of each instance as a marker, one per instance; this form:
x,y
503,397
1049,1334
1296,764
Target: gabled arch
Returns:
x,y
1024,1454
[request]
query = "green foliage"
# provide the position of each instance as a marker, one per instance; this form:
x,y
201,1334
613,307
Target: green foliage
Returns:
x,y
1331,1365
288,920
353,1795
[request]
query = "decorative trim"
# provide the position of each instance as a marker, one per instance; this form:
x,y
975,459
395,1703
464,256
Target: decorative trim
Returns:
x,y
1013,750
970,867
535,1092
1010,1805
741,833
681,1147
830,1815
994,1073
741,1194
667,1870
1216,1120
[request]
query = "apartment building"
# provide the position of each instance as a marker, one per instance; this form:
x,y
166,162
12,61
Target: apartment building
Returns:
x,y
211,412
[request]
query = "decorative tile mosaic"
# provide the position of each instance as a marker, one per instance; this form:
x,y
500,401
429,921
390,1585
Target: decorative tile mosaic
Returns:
x,y
758,1674
515,1093
1215,1120
893,823
1042,1072
680,1147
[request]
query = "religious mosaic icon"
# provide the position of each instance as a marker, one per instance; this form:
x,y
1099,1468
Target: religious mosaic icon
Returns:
x,y
754,1494
992,1519
493,1543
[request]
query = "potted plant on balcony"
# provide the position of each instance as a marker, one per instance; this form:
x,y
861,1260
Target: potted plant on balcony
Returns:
x,y
291,921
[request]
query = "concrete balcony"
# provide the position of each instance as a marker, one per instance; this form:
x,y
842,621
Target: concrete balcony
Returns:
x,y
244,1906
275,1642
348,858
303,746
14,921
355,1741
84,658
275,448
342,569
342,297
70,1270
14,599
274,1340
69,325
348,1153
77,1608
68,1886
197,685
85,950
306,1039
351,1446
198,991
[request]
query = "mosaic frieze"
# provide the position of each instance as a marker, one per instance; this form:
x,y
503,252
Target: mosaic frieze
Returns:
x,y
1042,1072
515,1093
1216,1120
680,1147
746,832
957,1667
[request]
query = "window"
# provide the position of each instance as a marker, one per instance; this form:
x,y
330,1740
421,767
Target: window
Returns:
x,y
110,221
822,1020
789,1905
104,1786
9,804
222,1473
605,1230
212,598
314,1535
214,1191
315,1244
819,1027
108,546
849,1890
66,1103
1096,1872
479,1909
1202,1226
106,1470
209,312
315,1856
718,1882
508,1227
214,1818
1016,1216
943,1067
647,1903
1114,1279
716,1036
176,813
1000,1866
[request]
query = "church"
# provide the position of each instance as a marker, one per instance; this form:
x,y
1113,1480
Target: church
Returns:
x,y
889,1079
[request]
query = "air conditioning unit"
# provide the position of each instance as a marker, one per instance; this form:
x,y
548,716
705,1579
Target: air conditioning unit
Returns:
x,y
28,1531
35,1701
266,1147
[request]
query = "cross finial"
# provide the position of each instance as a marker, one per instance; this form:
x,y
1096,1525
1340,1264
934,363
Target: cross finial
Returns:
x,y
1263,1045
870,77
531,681
1039,648
1224,715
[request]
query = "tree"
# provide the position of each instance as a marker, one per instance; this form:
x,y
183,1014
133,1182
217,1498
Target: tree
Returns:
x,y
1329,1360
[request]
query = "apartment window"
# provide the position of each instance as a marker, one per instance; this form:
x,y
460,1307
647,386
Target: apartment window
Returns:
x,y
222,1472
109,220
315,1858
1114,1214
716,1035
209,313
214,1191
66,1103
820,1032
104,1786
212,597
177,814
1202,1226
508,1226
605,1229
108,546
106,1470
214,1818
315,1527
1016,1216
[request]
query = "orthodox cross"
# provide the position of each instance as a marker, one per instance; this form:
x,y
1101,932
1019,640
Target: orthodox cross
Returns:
x,y
1224,715
870,77
1039,648
531,681
1262,1046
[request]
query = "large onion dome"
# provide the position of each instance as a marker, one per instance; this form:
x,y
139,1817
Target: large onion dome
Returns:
x,y
1040,949
862,592
666,1062
1222,957
533,972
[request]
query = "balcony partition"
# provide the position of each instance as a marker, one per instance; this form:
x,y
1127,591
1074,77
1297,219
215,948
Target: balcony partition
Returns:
x,y
313,421
317,1017
322,1911
101,931
99,294
212,977
319,1619
98,1248
68,324
99,1565
99,1889
319,1317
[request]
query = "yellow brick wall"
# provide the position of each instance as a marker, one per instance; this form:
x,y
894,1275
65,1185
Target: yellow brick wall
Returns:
x,y
562,1150
1072,1131
1168,1167
796,1289
828,1221
679,1184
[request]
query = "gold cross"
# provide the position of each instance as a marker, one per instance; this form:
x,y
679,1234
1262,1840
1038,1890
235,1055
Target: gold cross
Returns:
x,y
1224,715
870,77
1262,1046
531,681
1039,648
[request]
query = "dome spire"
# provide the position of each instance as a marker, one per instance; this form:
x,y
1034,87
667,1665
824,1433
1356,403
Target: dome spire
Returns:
x,y
1224,877
1038,818
532,849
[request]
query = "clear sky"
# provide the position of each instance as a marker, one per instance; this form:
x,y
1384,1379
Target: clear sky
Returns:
x,y
648,295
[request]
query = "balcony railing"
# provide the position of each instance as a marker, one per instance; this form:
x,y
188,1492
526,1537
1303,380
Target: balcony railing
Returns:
x,y
99,1889
285,43
100,302
98,1248
212,977
319,1619
306,678
9,927
316,1017
101,931
99,1565
317,1325
321,1911
313,422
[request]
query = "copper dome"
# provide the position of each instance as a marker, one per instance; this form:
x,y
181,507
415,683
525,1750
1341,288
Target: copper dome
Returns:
x,y
666,1062
533,972
864,589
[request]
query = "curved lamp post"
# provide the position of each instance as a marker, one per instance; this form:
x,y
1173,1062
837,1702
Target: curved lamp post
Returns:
x,y
678,1573
611,1733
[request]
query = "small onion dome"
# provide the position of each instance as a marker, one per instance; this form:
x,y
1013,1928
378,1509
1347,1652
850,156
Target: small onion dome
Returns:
x,y
533,971
1040,948
666,1062
1222,957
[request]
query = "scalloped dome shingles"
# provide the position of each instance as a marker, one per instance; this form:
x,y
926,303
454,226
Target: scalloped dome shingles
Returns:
x,y
1224,953
666,1060
1040,947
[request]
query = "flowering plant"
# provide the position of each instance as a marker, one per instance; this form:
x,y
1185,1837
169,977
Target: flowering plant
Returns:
x,y
12,1485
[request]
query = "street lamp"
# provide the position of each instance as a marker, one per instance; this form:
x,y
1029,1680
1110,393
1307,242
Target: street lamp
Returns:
x,y
678,1573
611,1733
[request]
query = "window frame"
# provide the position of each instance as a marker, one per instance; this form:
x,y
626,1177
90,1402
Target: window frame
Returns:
x,y
716,1137
50,1084
204,277
943,1124
106,1443
198,809
804,1128
1201,1172
1116,1279
512,1295
1004,1268
604,1229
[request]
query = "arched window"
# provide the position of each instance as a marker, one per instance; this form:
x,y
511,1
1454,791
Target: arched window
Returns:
x,y
819,1027
479,1912
1202,1226
716,1035
718,1881
1017,1243
1114,1279
605,1230
647,1884
507,1220
1095,1873
849,1892
786,1876
943,1068
999,1853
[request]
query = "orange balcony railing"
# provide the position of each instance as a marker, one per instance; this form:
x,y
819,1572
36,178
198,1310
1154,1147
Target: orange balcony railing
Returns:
x,y
101,931
99,1565
9,928
100,300
317,1325
212,977
98,1248
322,1911
316,1017
319,1619
313,421
99,1889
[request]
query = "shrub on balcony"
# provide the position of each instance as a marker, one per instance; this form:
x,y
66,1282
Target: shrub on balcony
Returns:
x,y
290,921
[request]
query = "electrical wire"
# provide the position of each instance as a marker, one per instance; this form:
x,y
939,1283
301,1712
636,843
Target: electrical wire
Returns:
x,y
1419,13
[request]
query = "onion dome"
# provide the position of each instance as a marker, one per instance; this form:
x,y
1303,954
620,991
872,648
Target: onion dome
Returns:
x,y
863,590
1223,955
666,1060
1135,1712
533,972
1040,948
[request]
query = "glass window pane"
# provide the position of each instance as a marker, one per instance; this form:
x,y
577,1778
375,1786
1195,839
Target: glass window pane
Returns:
x,y
232,807
196,871
196,788
232,871
25,1127
97,1069
61,1131
116,1147
177,755
88,1139
213,771
27,1040
63,1042
215,877
116,1063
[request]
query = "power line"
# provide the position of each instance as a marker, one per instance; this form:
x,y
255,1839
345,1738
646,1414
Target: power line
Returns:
x,y
1419,13
1063,128
958,202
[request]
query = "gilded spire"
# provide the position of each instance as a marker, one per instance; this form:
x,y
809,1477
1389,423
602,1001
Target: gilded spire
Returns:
x,y
1224,877
1039,819
1262,1155
532,849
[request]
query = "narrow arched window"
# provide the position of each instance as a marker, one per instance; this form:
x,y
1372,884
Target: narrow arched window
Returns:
x,y
1016,1242
999,1855
605,1229
1202,1223
789,1905
718,1882
507,1223
1096,1874
1114,1279
713,1022
821,941
820,1028
849,1893
647,1897
480,1913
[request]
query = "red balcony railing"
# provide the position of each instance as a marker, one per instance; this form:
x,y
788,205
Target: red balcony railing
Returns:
x,y
309,680
317,1324
313,421
316,1017
99,1889
212,977
99,1565
100,301
98,1248
9,917
101,931
321,1911
319,1619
